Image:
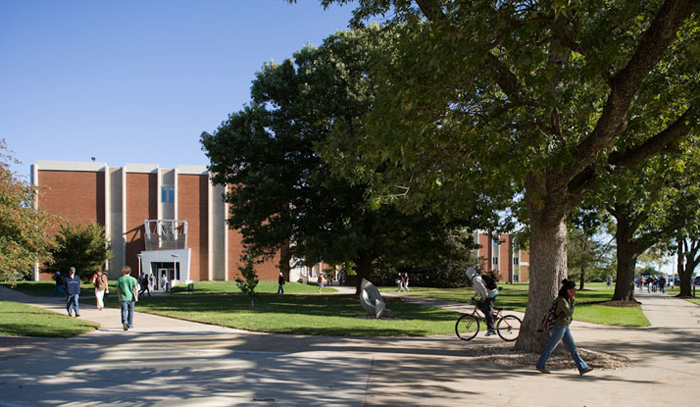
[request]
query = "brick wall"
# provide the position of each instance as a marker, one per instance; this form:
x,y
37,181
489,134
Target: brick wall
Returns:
x,y
78,197
141,203
192,206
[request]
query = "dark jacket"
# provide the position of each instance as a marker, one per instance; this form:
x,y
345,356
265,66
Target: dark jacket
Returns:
x,y
72,284
564,312
280,280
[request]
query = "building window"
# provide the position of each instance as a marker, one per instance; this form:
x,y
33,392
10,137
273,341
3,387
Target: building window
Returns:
x,y
167,194
494,261
516,261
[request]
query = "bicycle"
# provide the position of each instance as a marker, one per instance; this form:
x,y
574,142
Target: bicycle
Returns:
x,y
507,326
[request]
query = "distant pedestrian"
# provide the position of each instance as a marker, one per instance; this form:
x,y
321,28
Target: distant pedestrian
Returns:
x,y
128,295
399,283
561,332
72,286
341,278
59,285
99,281
405,281
280,281
661,282
164,282
144,284
610,281
320,282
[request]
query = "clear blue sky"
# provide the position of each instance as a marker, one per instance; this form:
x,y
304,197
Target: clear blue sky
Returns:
x,y
138,81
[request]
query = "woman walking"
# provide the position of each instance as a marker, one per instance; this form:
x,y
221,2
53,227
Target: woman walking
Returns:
x,y
561,332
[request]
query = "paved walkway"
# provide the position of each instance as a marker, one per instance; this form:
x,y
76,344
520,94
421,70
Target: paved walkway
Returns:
x,y
166,362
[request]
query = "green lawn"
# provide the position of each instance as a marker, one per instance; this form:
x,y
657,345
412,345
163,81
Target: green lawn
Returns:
x,y
306,314
24,320
302,311
514,297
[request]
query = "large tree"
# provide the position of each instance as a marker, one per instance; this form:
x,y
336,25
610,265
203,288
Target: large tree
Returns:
x,y
24,239
83,247
281,191
532,99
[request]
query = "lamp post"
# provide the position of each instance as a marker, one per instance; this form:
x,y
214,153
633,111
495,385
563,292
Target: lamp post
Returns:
x,y
174,265
139,256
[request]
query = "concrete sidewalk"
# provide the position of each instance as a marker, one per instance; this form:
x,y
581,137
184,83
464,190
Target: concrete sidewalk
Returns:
x,y
172,362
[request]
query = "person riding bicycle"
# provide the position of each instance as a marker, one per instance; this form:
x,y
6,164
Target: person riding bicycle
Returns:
x,y
487,297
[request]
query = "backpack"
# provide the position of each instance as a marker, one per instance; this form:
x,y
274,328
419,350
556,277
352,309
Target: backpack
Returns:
x,y
550,318
100,282
489,282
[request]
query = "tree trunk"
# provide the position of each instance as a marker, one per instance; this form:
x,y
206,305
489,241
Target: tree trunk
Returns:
x,y
363,267
626,264
548,265
687,262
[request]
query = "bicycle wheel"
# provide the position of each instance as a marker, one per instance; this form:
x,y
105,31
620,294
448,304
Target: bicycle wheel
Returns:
x,y
508,327
467,327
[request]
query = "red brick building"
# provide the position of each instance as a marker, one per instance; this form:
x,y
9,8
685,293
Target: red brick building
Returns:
x,y
500,253
158,220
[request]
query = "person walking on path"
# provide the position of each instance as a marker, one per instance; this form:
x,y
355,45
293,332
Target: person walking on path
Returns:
x,y
561,332
399,283
662,284
72,286
280,281
487,298
144,284
59,285
99,280
405,282
128,295
320,282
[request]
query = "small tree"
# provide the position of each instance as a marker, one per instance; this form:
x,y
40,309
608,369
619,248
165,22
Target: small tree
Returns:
x,y
84,248
250,280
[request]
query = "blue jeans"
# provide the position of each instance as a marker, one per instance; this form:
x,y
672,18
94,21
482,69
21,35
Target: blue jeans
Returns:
x,y
58,290
280,290
127,313
73,304
559,334
487,308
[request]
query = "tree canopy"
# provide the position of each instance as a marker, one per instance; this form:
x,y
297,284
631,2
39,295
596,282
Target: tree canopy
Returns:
x,y
24,239
84,248
279,188
527,102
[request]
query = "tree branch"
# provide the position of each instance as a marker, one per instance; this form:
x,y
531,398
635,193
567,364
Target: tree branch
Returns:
x,y
654,145
635,155
431,9
626,83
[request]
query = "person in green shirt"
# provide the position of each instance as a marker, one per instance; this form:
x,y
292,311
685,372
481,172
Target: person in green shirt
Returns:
x,y
128,294
561,332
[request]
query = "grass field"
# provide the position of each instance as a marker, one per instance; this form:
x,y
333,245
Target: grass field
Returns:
x,y
514,297
24,320
306,314
302,311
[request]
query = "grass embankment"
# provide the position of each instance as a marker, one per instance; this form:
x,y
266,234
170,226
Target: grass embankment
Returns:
x,y
25,320
514,297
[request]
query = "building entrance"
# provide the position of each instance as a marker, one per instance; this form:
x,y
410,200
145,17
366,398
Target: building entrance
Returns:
x,y
167,269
